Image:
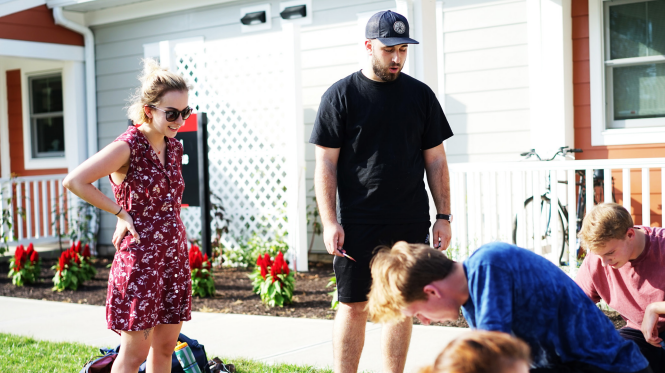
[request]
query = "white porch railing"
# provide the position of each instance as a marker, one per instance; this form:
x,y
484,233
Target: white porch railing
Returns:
x,y
38,208
489,202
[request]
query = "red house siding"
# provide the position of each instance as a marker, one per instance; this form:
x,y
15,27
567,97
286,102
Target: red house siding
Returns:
x,y
582,122
37,24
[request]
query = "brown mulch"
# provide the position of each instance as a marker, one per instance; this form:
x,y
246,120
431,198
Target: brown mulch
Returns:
x,y
234,293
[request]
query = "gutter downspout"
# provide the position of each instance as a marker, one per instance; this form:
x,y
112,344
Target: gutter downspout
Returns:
x,y
90,79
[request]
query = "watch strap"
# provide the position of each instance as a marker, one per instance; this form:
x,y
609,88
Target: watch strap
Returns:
x,y
443,216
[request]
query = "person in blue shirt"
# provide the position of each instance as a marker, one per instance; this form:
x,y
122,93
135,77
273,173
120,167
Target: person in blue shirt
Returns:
x,y
502,287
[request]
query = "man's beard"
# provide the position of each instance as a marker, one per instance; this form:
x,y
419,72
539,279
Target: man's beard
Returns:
x,y
383,72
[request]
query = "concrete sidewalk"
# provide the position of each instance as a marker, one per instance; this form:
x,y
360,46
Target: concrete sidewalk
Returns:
x,y
265,338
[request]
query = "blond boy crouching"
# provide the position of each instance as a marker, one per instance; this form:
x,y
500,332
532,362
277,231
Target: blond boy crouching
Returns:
x,y
625,267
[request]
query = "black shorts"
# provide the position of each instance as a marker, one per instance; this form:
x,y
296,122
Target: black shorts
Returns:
x,y
354,278
655,355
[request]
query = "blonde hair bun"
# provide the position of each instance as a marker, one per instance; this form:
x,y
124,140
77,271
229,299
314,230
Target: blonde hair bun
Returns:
x,y
155,82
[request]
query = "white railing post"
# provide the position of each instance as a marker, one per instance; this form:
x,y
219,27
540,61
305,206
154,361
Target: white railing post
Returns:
x,y
537,214
476,238
54,202
572,224
507,208
554,215
463,216
627,199
646,197
521,209
12,212
3,196
589,197
607,184
61,208
492,193
662,193
21,212
29,229
35,206
454,228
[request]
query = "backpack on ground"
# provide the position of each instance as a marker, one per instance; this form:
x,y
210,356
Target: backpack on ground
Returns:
x,y
103,364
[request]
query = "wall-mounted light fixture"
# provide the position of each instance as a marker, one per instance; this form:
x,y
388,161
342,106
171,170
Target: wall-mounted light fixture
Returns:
x,y
255,18
296,12
292,12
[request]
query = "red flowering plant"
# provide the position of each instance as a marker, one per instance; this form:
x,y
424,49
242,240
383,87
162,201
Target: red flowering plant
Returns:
x,y
273,280
88,270
73,268
203,284
25,266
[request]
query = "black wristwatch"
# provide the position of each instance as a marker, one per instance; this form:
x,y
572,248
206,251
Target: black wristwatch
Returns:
x,y
448,217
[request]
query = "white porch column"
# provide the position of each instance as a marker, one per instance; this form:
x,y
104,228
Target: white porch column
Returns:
x,y
4,126
550,74
405,8
423,29
296,149
73,86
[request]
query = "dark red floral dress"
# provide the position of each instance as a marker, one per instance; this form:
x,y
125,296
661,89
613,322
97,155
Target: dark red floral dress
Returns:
x,y
150,280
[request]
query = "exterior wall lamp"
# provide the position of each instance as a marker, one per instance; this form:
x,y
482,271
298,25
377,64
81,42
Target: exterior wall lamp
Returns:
x,y
293,12
253,18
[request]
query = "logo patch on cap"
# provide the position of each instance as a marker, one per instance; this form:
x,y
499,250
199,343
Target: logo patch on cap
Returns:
x,y
399,27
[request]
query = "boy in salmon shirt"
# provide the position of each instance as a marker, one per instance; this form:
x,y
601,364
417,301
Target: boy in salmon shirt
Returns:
x,y
625,267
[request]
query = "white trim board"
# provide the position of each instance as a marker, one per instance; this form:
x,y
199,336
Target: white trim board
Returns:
x,y
45,51
141,10
16,6
448,8
550,74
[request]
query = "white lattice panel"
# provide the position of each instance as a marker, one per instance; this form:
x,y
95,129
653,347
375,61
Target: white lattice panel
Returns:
x,y
240,84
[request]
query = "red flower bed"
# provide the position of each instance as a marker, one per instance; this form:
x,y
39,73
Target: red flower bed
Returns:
x,y
24,266
272,280
73,268
203,283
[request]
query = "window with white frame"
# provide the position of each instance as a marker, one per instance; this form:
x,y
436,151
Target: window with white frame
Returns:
x,y
634,62
47,128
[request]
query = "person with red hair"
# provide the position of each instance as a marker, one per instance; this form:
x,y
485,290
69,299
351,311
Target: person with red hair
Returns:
x,y
482,352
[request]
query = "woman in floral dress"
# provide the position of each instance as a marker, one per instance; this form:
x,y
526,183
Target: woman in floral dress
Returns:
x,y
149,292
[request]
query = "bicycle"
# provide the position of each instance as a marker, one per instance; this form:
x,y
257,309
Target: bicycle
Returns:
x,y
562,211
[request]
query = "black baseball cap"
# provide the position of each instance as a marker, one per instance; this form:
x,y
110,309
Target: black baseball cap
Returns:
x,y
390,28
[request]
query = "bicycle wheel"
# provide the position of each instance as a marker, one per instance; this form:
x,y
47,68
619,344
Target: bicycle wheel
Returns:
x,y
524,234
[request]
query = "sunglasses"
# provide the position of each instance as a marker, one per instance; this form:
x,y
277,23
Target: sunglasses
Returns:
x,y
172,115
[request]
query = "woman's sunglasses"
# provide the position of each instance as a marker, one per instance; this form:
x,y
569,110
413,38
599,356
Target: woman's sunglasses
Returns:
x,y
172,115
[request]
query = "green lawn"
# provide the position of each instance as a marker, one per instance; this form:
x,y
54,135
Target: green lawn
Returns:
x,y
23,354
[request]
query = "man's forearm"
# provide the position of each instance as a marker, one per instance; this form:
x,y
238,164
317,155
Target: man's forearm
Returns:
x,y
438,179
325,187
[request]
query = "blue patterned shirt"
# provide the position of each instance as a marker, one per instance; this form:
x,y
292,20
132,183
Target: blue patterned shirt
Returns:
x,y
516,291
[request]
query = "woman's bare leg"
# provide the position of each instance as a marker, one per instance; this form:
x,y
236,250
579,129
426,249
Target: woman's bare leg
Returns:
x,y
134,348
164,339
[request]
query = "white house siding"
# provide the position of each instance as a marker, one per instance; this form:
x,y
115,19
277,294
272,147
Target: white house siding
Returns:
x,y
329,52
486,79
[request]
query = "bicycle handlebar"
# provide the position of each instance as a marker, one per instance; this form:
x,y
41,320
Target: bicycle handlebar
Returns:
x,y
562,151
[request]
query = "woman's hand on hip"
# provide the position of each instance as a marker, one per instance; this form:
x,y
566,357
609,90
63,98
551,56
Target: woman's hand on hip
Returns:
x,y
125,224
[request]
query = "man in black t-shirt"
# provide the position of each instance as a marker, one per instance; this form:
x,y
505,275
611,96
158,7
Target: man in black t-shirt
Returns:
x,y
376,133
